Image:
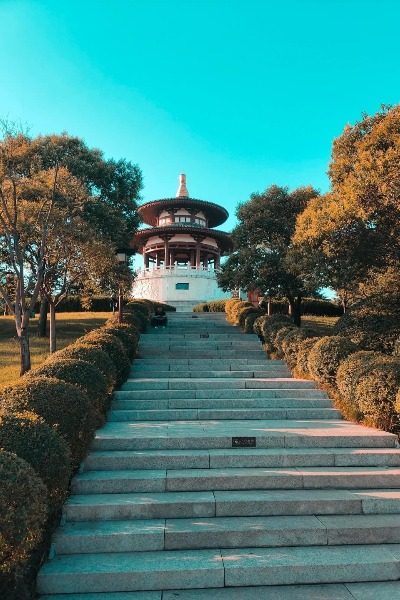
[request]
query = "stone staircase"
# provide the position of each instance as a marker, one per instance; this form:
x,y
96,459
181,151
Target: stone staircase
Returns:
x,y
220,477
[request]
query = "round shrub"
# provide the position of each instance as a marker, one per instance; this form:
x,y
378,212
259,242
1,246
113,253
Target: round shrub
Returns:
x,y
82,374
375,393
373,323
303,350
29,437
110,344
247,314
62,405
326,355
23,510
269,327
201,307
92,355
350,370
290,345
229,308
137,319
126,334
279,336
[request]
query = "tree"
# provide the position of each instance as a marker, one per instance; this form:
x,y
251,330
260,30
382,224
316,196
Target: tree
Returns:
x,y
355,228
264,255
64,211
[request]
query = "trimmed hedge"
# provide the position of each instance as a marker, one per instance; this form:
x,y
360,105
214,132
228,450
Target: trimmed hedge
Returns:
x,y
267,328
126,334
375,393
93,355
303,351
373,324
290,345
29,437
210,306
110,344
23,510
62,405
86,377
349,371
326,355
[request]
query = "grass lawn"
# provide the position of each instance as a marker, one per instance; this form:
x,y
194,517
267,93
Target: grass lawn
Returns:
x,y
69,327
322,325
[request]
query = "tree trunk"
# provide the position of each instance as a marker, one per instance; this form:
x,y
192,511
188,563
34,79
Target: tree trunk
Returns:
x,y
42,324
52,327
269,307
25,353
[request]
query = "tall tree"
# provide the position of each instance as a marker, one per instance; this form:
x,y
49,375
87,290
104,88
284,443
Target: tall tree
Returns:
x,y
61,202
264,256
356,227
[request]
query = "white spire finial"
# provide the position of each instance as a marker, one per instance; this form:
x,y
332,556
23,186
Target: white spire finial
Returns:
x,y
182,189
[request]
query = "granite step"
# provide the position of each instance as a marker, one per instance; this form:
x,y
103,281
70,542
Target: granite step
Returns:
x,y
222,394
194,374
150,383
177,414
388,590
240,457
220,403
233,478
169,569
159,435
229,532
239,503
149,362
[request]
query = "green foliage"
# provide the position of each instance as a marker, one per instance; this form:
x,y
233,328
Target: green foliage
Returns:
x,y
349,371
247,318
326,355
29,437
267,327
113,347
201,307
210,306
92,355
264,256
86,377
373,323
290,345
303,350
278,337
23,510
62,405
126,333
375,393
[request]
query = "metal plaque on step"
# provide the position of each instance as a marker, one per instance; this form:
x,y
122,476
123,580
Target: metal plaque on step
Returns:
x,y
243,442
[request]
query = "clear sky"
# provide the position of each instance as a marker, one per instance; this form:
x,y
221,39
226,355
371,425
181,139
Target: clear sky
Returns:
x,y
238,94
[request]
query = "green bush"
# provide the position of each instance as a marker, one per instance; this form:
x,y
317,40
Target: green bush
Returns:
x,y
375,393
267,328
86,377
232,306
92,355
278,337
23,510
29,437
373,323
127,334
141,306
290,345
137,319
303,351
166,307
62,405
201,307
110,344
326,355
350,370
243,315
310,306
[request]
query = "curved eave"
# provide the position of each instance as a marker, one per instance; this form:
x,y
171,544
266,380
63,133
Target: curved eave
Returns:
x,y
216,214
224,239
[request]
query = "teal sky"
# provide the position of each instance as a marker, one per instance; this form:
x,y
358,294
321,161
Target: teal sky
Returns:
x,y
237,94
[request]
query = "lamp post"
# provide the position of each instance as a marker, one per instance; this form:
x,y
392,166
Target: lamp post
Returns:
x,y
122,259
